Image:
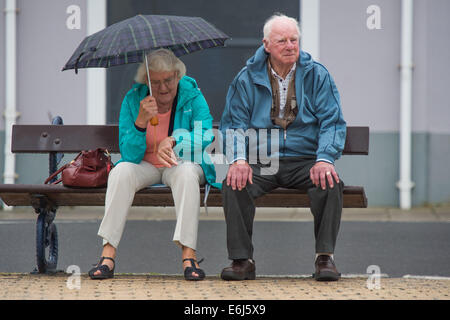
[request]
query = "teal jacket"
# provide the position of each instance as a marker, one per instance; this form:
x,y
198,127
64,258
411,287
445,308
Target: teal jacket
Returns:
x,y
319,129
192,127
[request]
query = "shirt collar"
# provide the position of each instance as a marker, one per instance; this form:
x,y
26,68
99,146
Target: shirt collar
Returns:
x,y
288,75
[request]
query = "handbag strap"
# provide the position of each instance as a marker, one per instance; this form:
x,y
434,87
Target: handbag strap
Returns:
x,y
54,174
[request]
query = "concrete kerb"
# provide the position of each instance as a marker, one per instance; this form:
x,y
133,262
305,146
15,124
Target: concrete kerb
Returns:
x,y
421,214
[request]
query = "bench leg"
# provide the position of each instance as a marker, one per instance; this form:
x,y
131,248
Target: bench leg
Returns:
x,y
46,237
46,244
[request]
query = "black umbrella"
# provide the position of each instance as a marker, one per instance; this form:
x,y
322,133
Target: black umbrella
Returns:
x,y
128,41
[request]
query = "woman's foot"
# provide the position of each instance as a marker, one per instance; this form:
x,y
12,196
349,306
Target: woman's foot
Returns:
x,y
191,268
107,259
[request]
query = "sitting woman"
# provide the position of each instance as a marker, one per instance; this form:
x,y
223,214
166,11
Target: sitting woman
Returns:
x,y
159,153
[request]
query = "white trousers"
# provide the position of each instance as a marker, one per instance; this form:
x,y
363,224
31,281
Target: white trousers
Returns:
x,y
127,178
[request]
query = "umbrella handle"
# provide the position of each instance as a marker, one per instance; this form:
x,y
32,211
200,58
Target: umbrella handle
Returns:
x,y
154,120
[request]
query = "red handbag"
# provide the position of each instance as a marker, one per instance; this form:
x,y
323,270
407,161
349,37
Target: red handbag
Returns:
x,y
89,169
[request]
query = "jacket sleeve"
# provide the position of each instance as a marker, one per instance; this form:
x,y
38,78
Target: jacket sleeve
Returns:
x,y
332,126
132,142
192,143
235,122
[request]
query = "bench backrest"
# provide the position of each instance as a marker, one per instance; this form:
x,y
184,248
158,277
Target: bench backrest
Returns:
x,y
74,138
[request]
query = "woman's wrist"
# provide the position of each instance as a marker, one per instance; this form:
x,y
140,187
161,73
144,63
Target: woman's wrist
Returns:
x,y
173,140
139,127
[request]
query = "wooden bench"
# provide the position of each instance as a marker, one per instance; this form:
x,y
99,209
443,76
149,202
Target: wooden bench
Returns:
x,y
56,139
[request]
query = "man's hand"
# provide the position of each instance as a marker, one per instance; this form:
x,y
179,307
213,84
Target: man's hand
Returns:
x,y
238,174
148,108
165,154
321,172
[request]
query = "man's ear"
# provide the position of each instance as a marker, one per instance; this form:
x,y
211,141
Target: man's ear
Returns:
x,y
266,43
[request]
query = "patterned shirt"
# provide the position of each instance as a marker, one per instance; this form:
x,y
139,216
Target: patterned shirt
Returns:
x,y
283,85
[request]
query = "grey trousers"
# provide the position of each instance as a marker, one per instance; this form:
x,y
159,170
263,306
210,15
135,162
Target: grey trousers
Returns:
x,y
293,173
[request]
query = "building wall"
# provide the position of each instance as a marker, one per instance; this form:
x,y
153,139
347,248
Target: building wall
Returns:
x,y
2,63
364,64
44,46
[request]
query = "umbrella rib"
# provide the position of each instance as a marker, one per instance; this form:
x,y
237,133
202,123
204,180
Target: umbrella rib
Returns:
x,y
94,57
150,29
173,39
135,42
98,45
210,37
134,36
170,30
193,34
109,50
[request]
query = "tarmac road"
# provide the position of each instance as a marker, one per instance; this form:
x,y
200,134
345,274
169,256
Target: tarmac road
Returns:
x,y
281,247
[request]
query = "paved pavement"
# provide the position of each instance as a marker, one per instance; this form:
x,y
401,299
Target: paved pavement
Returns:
x,y
19,286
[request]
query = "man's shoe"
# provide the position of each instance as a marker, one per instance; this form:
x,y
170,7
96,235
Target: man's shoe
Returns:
x,y
242,269
325,269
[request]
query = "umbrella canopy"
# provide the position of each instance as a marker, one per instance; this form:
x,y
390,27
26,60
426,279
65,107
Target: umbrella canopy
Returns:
x,y
128,41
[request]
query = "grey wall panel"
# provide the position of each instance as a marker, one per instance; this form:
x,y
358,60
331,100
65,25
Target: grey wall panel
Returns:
x,y
377,172
44,46
438,44
2,64
420,168
420,107
439,174
363,62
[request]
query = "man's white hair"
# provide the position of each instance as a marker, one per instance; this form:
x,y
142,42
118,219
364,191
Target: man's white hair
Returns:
x,y
160,60
277,17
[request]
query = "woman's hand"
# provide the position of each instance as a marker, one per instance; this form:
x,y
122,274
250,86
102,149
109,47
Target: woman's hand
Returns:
x,y
165,154
148,108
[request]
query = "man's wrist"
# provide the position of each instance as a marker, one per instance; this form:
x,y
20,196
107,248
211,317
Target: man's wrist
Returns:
x,y
324,160
240,161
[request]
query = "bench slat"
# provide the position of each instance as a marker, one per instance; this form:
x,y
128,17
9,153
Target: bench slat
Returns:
x,y
22,195
60,138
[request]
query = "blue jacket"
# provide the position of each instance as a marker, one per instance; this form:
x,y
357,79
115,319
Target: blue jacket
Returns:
x,y
319,129
192,125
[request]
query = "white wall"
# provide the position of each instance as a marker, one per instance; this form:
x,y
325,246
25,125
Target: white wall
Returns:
x,y
44,45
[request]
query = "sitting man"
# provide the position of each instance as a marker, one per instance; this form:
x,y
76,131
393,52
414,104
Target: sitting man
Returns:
x,y
282,89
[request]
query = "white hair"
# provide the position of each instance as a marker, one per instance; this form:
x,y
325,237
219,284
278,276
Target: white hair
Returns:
x,y
267,29
161,60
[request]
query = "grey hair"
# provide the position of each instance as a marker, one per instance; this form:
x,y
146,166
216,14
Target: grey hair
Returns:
x,y
267,29
161,60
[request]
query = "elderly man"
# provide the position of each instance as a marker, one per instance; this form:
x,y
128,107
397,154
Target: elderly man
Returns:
x,y
282,88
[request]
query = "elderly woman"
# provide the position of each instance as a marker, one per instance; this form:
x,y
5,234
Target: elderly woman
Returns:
x,y
160,153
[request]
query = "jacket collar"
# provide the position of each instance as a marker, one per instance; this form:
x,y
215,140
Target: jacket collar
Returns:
x,y
257,67
187,90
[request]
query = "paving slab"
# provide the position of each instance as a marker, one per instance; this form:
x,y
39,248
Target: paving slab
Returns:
x,y
62,286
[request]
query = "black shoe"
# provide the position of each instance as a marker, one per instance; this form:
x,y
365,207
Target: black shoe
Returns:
x,y
326,269
105,272
188,271
242,269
